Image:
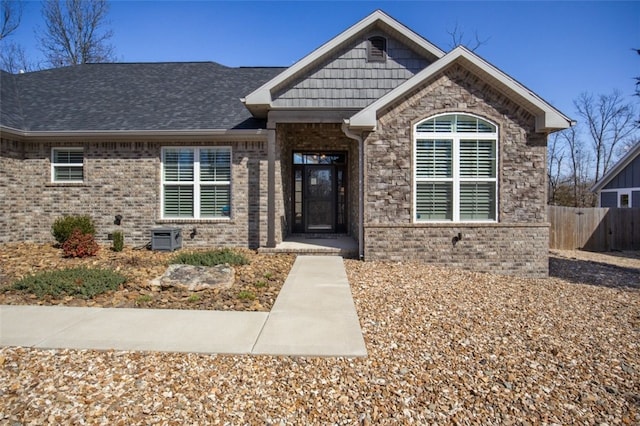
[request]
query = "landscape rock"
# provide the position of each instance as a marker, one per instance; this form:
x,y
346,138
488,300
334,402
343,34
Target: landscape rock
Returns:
x,y
444,347
195,278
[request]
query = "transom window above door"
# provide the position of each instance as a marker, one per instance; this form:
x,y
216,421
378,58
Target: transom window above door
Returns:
x,y
319,158
455,169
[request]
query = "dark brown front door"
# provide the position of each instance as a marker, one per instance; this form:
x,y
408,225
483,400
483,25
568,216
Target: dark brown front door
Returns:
x,y
320,199
319,192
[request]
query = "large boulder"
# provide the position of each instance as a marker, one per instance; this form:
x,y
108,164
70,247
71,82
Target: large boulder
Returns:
x,y
195,278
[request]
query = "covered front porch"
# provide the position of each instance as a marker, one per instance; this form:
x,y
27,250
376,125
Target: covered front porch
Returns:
x,y
315,192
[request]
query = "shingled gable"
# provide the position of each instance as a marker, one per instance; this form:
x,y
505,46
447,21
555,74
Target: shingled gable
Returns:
x,y
548,119
260,101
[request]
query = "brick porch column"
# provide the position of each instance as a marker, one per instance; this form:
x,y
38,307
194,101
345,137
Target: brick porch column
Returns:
x,y
271,185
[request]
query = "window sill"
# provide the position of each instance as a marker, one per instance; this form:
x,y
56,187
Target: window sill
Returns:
x,y
66,184
186,221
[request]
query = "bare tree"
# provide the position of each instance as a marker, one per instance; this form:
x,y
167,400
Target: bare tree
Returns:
x,y
13,59
11,17
580,161
637,93
610,121
555,172
75,32
457,39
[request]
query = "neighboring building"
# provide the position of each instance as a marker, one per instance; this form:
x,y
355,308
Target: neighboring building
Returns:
x,y
620,186
416,153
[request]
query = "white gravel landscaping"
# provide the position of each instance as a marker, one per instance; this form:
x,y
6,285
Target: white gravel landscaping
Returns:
x,y
445,346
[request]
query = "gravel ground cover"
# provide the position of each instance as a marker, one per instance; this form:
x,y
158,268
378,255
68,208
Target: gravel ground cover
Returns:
x,y
262,279
445,347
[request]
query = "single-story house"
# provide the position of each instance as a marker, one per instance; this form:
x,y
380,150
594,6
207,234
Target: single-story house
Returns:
x,y
620,186
415,153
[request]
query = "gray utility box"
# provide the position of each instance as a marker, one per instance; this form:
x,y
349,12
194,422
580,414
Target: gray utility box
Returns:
x,y
167,239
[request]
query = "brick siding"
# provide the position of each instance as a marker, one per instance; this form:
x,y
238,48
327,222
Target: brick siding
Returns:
x,y
518,243
124,178
518,249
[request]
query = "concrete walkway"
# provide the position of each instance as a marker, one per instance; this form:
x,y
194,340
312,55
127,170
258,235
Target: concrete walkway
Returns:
x,y
314,315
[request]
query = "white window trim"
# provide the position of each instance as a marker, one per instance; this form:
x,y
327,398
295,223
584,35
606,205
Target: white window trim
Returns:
x,y
196,184
54,164
620,191
456,137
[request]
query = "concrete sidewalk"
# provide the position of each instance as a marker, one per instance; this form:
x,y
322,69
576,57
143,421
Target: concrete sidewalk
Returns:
x,y
314,315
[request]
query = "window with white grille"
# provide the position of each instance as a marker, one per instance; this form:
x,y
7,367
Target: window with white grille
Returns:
x,y
67,165
196,182
455,169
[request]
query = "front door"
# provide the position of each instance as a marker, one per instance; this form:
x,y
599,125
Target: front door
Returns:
x,y
319,202
319,192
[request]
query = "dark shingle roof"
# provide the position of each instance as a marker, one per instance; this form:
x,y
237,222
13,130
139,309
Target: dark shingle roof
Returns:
x,y
10,114
148,96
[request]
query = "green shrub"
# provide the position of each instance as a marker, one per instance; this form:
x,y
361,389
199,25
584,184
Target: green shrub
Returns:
x,y
143,298
80,282
64,226
118,241
246,295
210,258
80,245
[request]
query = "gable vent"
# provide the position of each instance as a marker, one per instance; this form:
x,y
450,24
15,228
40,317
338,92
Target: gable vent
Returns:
x,y
377,49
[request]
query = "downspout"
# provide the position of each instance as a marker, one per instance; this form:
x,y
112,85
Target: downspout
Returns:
x,y
358,137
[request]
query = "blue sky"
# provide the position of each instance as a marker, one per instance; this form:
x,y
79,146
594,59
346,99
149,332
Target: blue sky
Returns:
x,y
557,49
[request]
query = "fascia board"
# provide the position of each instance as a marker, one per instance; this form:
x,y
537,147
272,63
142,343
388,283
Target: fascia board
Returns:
x,y
262,95
547,117
147,135
365,119
619,166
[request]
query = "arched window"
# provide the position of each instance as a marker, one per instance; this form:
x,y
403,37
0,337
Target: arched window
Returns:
x,y
377,49
455,169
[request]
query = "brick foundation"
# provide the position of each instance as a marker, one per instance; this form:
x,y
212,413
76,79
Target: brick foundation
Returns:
x,y
519,249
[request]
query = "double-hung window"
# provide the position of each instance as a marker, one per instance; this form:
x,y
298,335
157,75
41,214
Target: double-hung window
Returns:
x,y
196,182
455,169
67,165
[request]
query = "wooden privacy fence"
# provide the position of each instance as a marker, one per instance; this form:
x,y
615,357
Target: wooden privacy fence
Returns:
x,y
594,229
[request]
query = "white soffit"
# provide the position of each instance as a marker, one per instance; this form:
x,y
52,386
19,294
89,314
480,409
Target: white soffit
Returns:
x,y
259,101
547,117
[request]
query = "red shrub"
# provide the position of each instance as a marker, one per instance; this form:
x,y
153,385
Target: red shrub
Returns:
x,y
80,245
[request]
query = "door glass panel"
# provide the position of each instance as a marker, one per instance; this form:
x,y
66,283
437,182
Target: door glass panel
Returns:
x,y
297,197
320,199
341,220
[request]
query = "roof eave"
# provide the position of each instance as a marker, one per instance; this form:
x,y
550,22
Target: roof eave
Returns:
x,y
147,135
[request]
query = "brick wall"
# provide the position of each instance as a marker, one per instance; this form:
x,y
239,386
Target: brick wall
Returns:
x,y
518,243
519,249
124,178
11,192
